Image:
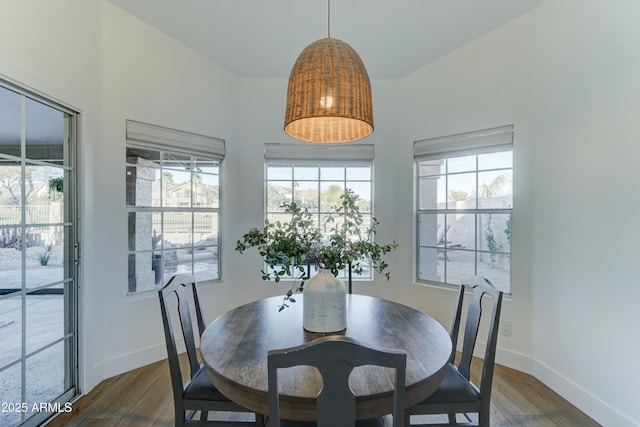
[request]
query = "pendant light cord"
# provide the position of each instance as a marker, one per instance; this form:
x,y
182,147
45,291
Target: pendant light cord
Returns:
x,y
329,18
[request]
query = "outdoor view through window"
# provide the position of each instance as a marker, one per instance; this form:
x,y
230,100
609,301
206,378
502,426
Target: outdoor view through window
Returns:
x,y
173,206
38,300
464,218
318,188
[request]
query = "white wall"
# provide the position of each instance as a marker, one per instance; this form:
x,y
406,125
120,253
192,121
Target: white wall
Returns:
x,y
149,77
54,48
566,75
586,225
485,84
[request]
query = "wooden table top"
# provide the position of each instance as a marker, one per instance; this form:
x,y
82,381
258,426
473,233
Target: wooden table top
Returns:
x,y
234,348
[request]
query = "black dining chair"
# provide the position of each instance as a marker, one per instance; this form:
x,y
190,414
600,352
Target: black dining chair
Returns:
x,y
335,356
197,394
457,394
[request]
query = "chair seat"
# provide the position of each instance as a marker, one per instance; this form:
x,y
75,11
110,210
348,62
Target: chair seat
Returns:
x,y
456,394
453,389
198,394
200,388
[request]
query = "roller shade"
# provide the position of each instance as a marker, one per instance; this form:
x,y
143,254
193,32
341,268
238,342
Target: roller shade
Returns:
x,y
477,142
144,135
318,153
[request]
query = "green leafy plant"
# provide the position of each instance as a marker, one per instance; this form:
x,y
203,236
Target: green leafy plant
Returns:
x,y
155,240
491,239
288,247
56,188
507,229
285,247
347,243
44,257
9,237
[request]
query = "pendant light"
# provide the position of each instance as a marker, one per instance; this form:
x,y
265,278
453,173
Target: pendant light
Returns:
x,y
329,93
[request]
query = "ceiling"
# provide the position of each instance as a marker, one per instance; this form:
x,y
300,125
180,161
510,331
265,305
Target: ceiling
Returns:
x,y
259,38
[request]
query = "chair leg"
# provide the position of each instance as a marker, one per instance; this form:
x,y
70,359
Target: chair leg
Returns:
x,y
180,416
260,420
204,415
483,418
452,418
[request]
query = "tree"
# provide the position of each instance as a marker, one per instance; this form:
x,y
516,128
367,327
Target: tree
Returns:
x,y
11,180
277,195
331,197
167,177
458,195
495,188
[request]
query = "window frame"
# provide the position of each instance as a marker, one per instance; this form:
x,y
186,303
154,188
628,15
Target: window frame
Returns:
x,y
459,146
321,156
57,347
173,146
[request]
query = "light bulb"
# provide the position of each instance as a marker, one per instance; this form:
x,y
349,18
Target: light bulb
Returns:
x,y
326,101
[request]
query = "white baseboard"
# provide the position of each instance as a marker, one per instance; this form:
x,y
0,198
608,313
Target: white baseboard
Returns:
x,y
514,360
509,358
591,405
133,360
600,411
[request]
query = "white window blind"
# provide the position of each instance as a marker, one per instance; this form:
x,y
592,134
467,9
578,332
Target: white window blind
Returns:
x,y
144,135
318,153
477,142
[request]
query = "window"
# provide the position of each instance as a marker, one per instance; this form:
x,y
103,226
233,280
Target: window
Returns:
x,y
173,205
38,264
464,204
314,177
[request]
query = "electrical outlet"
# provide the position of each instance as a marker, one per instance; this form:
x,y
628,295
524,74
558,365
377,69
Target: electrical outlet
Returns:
x,y
505,328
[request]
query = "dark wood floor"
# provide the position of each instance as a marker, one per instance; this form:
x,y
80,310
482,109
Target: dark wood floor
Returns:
x,y
143,398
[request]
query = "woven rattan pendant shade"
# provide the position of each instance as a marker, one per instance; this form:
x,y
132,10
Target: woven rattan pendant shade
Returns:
x,y
329,95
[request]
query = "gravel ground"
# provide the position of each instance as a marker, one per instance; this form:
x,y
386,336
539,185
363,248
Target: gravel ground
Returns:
x,y
44,319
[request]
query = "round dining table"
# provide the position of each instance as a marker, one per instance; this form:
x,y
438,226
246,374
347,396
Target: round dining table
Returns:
x,y
234,349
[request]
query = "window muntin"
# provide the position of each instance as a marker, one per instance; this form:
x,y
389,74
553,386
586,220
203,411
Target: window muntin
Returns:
x,y
318,187
173,209
465,203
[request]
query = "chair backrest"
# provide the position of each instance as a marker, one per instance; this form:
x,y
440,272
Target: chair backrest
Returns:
x,y
178,293
335,357
482,292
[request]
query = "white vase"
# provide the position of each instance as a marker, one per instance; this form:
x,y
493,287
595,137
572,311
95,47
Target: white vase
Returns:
x,y
324,303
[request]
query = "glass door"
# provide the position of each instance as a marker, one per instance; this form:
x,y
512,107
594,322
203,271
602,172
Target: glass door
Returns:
x,y
38,298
